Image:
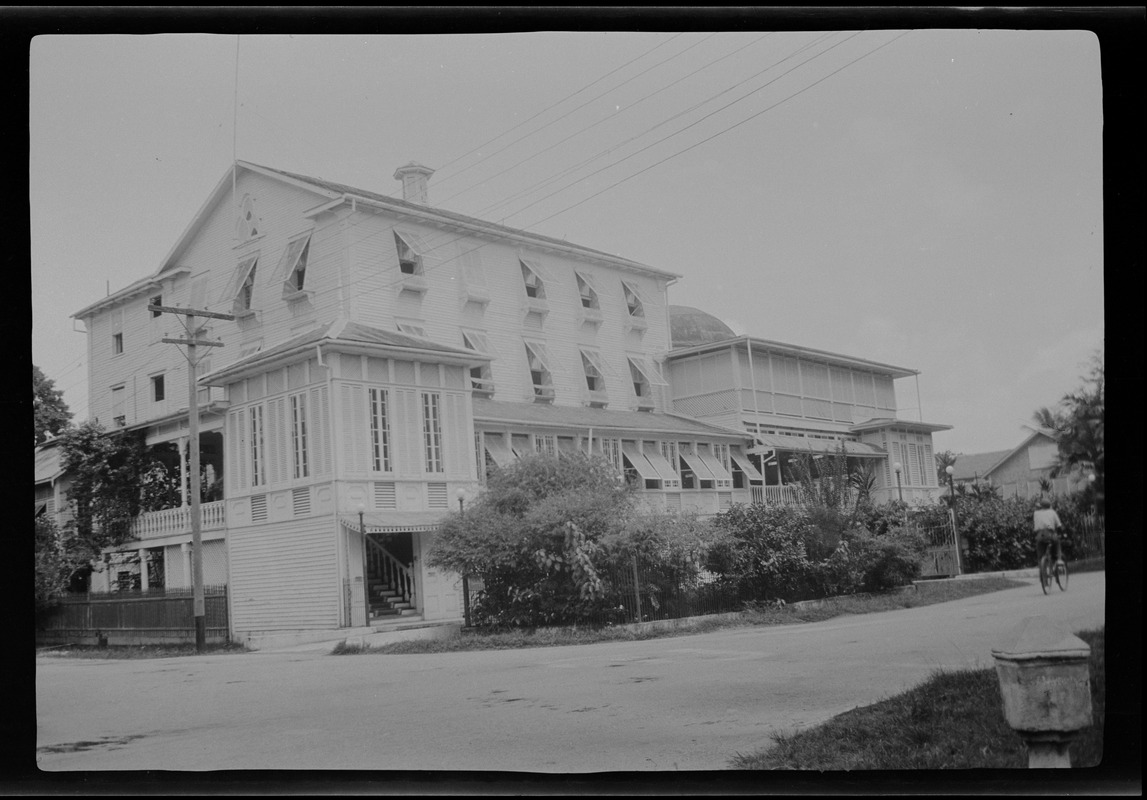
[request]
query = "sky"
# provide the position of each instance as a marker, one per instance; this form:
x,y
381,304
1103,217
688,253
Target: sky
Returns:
x,y
931,199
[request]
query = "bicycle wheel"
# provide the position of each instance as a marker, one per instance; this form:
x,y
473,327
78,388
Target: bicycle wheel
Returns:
x,y
1061,576
1044,575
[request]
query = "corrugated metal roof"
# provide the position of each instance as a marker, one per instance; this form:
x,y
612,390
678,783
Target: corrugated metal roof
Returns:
x,y
600,419
801,443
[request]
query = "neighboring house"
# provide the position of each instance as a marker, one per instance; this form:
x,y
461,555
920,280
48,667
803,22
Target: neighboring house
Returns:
x,y
51,483
794,400
1018,472
385,355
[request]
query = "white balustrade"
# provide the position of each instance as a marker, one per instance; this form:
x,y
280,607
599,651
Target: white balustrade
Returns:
x,y
152,524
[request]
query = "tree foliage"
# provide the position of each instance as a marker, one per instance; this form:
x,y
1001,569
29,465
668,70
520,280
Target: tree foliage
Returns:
x,y
50,414
1077,423
107,472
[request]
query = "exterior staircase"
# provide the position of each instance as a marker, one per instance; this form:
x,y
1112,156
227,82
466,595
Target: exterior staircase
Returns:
x,y
387,603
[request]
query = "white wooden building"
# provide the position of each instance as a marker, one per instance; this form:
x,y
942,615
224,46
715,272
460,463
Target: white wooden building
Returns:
x,y
384,354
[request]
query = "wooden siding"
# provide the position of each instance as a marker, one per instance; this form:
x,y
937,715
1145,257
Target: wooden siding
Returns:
x,y
284,576
786,387
444,309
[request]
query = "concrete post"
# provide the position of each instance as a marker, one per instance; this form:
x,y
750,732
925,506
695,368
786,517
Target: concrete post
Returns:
x,y
1046,688
143,570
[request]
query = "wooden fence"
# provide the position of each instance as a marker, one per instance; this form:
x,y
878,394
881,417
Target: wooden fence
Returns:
x,y
157,616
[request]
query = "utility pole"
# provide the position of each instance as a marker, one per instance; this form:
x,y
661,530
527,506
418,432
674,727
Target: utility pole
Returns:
x,y
193,342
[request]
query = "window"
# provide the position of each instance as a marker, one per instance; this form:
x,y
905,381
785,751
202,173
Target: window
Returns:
x,y
157,393
380,429
295,264
432,431
535,287
641,386
117,344
645,375
611,450
241,290
248,223
588,295
594,380
119,395
546,443
258,452
481,376
540,375
156,301
669,453
632,301
721,454
409,261
299,435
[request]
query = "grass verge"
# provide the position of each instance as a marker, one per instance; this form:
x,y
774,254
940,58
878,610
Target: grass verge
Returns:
x,y
811,611
136,651
954,720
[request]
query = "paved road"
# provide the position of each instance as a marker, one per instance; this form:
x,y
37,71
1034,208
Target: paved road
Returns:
x,y
684,703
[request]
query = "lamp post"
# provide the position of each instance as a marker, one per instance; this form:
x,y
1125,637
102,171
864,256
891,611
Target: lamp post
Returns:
x,y
951,471
365,574
461,495
899,490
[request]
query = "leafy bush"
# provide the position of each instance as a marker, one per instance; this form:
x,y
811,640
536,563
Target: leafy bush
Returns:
x,y
998,532
554,540
892,560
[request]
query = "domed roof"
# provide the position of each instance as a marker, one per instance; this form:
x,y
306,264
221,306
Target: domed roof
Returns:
x,y
689,327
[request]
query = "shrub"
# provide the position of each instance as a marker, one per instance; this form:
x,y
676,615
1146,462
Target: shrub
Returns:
x,y
998,532
892,560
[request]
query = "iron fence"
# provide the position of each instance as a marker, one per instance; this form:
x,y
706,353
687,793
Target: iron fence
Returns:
x,y
1087,538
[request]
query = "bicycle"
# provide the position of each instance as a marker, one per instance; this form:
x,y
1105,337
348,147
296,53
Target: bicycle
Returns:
x,y
1048,571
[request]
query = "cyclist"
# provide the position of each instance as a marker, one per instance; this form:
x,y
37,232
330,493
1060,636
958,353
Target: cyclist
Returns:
x,y
1047,525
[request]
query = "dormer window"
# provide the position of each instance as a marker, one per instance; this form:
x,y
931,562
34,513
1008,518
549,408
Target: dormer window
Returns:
x,y
633,301
295,264
540,373
535,287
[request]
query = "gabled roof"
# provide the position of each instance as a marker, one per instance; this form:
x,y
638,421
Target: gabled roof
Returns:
x,y
333,189
604,421
977,465
981,465
343,335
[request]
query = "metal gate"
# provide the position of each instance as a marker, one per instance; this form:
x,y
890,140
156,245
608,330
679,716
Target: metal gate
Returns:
x,y
942,556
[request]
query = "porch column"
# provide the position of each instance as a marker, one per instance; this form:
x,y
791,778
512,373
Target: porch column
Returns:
x,y
183,500
185,551
143,570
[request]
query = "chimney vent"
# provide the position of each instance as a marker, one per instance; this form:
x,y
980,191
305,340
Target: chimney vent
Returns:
x,y
414,178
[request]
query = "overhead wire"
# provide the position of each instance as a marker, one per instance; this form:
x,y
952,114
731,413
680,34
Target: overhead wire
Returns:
x,y
391,284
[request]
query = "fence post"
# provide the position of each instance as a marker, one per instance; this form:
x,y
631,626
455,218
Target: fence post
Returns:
x,y
636,588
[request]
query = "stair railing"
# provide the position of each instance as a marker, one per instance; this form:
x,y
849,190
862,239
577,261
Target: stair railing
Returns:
x,y
398,576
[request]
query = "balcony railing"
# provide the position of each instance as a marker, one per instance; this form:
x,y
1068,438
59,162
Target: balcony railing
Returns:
x,y
776,495
152,524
